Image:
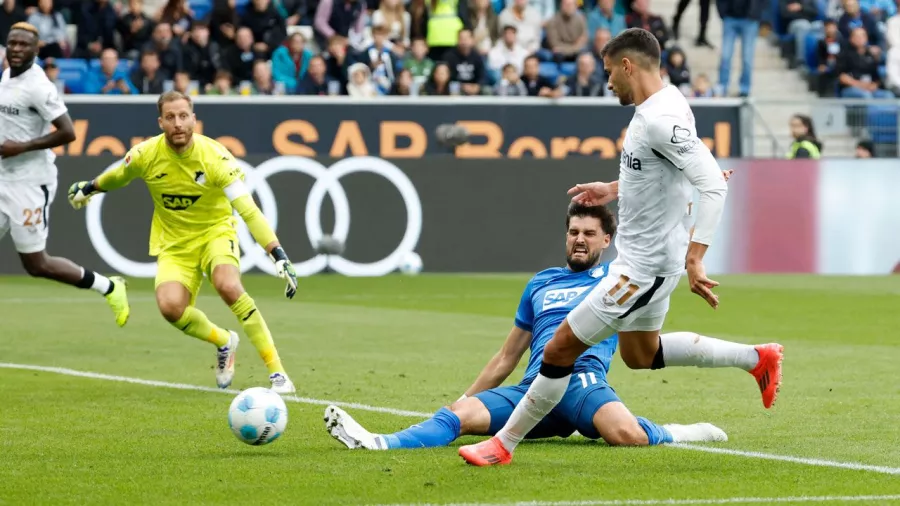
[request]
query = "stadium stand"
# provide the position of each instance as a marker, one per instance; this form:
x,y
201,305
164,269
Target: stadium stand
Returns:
x,y
215,46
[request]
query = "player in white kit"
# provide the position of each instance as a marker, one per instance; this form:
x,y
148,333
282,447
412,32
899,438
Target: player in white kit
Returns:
x,y
662,158
29,104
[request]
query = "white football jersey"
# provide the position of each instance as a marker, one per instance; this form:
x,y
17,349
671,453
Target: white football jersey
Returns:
x,y
654,192
29,103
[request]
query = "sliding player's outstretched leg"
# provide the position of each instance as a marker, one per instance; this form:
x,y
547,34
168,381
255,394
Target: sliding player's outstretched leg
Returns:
x,y
226,278
175,301
439,430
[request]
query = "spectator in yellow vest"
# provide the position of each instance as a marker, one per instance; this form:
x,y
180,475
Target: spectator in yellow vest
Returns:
x,y
805,144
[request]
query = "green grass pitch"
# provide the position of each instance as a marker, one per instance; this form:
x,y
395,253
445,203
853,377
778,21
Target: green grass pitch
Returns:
x,y
416,343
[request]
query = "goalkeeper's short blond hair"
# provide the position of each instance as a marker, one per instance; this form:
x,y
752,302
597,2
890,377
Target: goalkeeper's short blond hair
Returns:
x,y
172,96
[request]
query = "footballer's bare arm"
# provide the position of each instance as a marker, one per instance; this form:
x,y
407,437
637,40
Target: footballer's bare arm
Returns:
x,y
503,363
64,134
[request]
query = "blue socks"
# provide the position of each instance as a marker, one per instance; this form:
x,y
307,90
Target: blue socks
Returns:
x,y
439,430
655,433
443,428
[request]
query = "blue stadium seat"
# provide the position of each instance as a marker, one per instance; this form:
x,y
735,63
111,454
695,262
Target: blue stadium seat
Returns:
x,y
72,72
567,69
201,8
882,123
811,47
549,70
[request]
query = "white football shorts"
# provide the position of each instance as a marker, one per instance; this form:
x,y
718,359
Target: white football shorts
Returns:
x,y
624,300
24,211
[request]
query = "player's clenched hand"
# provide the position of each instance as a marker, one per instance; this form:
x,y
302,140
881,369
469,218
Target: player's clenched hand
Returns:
x,y
285,270
593,194
80,193
701,285
10,149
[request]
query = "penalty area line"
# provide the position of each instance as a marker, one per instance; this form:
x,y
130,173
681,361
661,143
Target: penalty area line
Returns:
x,y
417,414
654,502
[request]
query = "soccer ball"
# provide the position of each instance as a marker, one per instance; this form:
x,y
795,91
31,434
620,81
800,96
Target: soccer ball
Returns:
x,y
257,416
410,264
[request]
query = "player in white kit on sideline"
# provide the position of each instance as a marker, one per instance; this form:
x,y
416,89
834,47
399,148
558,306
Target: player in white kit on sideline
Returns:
x,y
662,157
29,104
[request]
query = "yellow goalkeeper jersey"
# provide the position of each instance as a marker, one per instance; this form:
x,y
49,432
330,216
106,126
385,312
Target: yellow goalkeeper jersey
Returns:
x,y
189,203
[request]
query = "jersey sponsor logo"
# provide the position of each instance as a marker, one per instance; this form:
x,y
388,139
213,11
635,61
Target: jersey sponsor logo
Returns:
x,y
680,134
179,202
688,147
629,160
9,110
562,297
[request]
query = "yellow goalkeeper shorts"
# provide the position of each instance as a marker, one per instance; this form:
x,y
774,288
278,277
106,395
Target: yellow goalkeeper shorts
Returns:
x,y
188,264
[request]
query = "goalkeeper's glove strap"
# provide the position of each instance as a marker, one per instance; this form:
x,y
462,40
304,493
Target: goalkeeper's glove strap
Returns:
x,y
278,254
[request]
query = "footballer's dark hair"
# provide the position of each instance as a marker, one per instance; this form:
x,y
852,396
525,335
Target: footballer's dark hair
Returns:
x,y
636,43
173,96
602,213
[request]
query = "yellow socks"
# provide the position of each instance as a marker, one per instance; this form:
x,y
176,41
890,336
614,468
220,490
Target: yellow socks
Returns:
x,y
258,332
195,324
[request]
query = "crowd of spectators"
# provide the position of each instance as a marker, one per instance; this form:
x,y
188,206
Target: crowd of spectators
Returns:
x,y
850,48
362,48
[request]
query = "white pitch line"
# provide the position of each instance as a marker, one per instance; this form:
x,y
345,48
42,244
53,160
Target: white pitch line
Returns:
x,y
654,502
785,458
198,388
401,412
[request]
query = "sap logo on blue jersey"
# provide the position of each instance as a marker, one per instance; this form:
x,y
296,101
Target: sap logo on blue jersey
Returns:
x,y
562,297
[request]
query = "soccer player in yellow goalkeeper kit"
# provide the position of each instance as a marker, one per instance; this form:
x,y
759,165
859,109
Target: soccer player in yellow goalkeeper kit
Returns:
x,y
195,183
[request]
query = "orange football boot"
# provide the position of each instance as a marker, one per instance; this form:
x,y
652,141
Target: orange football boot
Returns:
x,y
768,371
486,453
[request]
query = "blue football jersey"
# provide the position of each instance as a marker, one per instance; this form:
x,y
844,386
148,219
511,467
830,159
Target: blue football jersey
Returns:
x,y
548,298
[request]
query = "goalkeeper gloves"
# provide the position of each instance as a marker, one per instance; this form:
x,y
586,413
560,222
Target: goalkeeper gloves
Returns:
x,y
285,269
80,193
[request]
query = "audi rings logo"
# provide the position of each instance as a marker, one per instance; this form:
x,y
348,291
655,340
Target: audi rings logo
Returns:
x,y
327,182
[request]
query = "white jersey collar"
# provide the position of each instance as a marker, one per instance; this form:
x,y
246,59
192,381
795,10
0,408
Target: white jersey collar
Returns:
x,y
654,98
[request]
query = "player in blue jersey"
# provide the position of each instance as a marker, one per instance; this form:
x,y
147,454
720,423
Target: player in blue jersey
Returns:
x,y
590,406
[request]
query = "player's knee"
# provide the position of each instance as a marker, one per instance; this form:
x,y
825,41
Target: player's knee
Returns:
x,y
625,435
561,352
170,309
229,289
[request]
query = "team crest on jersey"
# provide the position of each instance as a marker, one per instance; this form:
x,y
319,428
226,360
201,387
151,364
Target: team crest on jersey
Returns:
x,y
179,202
562,297
598,272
